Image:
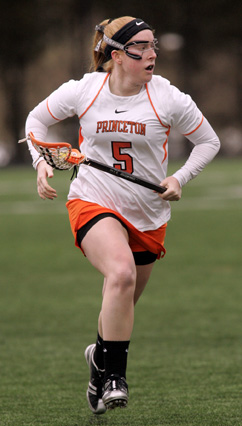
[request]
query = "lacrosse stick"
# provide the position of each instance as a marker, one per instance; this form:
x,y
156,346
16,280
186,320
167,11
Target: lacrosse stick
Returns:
x,y
62,156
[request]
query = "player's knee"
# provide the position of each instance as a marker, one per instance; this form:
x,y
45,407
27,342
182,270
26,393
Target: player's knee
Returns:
x,y
124,277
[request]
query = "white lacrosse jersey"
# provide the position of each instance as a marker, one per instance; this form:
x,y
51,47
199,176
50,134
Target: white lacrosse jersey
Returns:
x,y
129,133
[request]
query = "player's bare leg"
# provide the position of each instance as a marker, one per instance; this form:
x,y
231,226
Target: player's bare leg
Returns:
x,y
143,275
106,247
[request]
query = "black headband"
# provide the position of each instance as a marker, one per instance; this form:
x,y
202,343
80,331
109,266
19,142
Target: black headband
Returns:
x,y
125,34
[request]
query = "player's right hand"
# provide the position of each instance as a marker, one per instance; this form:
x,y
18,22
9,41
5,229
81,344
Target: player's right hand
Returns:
x,y
45,171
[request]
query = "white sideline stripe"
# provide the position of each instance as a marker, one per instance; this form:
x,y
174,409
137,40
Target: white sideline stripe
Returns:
x,y
205,204
215,202
30,207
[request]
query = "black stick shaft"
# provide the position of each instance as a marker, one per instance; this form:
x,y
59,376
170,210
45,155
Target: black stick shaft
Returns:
x,y
124,175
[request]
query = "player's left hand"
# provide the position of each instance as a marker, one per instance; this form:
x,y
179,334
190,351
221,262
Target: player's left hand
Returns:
x,y
173,192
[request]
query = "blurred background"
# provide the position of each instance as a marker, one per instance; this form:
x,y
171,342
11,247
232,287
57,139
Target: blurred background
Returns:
x,y
186,346
44,43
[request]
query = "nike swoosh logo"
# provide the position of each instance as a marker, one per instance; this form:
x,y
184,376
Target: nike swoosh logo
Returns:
x,y
139,23
119,112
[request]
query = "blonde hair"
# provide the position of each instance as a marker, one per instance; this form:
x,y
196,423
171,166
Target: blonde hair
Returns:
x,y
110,28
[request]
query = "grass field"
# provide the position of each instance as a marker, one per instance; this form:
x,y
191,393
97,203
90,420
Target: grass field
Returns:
x,y
186,353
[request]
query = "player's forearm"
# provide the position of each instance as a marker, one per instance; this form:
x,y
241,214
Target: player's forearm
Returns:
x,y
207,145
38,122
40,131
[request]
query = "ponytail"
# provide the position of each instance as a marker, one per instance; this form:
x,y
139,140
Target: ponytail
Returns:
x,y
109,28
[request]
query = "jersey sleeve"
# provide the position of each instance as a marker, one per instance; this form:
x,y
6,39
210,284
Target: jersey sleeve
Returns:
x,y
184,114
188,120
206,147
59,105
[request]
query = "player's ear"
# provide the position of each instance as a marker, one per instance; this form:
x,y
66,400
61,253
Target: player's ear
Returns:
x,y
117,56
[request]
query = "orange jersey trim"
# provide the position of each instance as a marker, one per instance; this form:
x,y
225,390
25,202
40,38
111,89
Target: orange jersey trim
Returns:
x,y
154,107
164,146
47,103
95,96
187,134
81,138
163,125
81,212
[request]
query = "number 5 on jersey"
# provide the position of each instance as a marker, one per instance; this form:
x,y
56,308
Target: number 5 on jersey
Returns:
x,y
125,159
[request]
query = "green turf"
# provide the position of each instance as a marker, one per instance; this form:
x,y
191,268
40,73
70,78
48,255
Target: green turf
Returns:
x,y
186,352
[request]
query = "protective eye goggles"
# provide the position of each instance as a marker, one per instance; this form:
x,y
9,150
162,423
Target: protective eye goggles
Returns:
x,y
133,49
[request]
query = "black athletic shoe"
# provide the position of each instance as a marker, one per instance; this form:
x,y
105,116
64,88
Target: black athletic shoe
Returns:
x,y
94,390
115,392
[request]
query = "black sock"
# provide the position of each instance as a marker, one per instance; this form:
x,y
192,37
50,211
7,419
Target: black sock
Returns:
x,y
98,354
115,358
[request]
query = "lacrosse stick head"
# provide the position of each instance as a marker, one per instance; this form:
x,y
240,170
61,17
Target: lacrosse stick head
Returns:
x,y
58,155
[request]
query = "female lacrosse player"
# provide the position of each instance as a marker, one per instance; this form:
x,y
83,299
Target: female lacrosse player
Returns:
x,y
125,115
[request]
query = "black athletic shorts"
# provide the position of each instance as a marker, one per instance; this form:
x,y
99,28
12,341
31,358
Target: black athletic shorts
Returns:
x,y
140,257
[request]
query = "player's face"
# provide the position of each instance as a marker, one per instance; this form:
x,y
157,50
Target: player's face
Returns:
x,y
142,44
